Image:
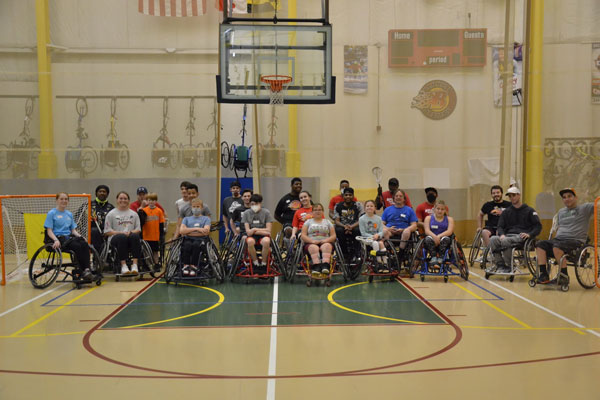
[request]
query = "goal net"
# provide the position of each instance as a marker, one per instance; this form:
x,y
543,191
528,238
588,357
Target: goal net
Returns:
x,y
22,227
597,240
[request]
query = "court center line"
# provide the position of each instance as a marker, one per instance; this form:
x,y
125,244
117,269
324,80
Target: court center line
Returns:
x,y
533,303
52,312
273,345
501,311
30,300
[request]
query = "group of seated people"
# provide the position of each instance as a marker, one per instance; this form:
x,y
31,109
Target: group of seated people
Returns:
x,y
508,224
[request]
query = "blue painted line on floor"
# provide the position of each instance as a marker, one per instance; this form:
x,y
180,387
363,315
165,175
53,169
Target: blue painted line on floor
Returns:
x,y
57,297
485,290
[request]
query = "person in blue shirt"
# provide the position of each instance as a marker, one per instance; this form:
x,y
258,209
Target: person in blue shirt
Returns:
x,y
400,221
195,230
61,230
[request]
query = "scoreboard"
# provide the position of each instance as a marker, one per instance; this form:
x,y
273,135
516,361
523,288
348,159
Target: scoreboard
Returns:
x,y
437,47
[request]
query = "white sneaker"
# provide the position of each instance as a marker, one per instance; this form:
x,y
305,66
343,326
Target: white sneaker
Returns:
x,y
134,269
124,270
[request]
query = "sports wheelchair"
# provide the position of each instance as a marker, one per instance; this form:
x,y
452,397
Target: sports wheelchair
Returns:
x,y
47,263
522,261
581,258
238,263
371,267
403,257
111,264
454,255
477,250
208,263
299,264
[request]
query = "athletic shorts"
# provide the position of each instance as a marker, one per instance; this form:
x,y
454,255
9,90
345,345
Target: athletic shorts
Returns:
x,y
493,230
257,238
566,245
154,245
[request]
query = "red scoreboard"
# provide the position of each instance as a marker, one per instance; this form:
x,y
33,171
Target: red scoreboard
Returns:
x,y
437,47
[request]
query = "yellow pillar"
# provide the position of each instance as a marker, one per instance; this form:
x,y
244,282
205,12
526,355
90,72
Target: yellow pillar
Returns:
x,y
292,158
47,157
534,160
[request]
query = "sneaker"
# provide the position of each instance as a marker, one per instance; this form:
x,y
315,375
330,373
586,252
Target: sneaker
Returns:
x,y
186,270
134,269
87,275
315,273
384,270
124,270
503,269
434,261
192,270
543,279
325,269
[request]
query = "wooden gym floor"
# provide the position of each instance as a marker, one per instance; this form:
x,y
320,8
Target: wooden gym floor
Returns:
x,y
145,339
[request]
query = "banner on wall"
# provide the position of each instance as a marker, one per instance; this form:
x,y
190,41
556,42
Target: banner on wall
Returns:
x,y
356,69
168,8
595,73
517,78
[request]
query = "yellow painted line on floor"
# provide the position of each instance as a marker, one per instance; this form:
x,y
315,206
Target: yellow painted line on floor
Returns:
x,y
332,301
217,304
523,324
37,321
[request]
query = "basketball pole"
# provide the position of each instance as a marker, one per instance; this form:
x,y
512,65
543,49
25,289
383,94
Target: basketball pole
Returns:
x,y
292,159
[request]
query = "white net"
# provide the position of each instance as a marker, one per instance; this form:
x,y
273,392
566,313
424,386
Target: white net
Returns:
x,y
277,86
23,226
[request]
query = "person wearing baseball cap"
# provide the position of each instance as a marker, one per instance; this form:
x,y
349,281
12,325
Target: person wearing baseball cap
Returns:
x,y
386,199
573,223
517,223
141,201
100,207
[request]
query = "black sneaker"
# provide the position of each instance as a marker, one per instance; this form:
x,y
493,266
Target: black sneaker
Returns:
x,y
543,278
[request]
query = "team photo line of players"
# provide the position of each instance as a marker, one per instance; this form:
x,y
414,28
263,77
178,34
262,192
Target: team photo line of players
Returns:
x,y
508,224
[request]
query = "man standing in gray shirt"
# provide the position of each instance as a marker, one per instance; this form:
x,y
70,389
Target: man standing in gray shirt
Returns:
x,y
573,224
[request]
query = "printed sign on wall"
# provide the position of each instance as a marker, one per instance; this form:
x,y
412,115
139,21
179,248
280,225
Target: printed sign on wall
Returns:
x,y
356,69
595,73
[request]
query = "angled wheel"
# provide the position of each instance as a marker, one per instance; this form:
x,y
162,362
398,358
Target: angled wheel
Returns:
x,y
147,258
44,266
530,257
340,262
393,264
123,156
461,260
280,264
34,154
213,260
485,260
585,269
475,248
172,260
416,261
174,155
4,157
225,155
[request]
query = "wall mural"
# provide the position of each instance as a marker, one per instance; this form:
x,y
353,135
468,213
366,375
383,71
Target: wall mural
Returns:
x,y
573,162
21,155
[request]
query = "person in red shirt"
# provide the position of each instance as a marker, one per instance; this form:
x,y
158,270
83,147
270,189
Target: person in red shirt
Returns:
x,y
141,201
303,214
426,208
335,200
386,199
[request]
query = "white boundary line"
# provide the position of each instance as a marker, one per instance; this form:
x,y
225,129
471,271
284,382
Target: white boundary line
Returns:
x,y
577,324
273,345
29,301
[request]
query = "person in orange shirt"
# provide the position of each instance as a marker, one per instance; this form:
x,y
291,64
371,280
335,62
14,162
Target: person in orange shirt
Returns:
x,y
152,219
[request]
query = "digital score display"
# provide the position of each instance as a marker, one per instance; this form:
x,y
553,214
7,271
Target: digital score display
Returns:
x,y
437,47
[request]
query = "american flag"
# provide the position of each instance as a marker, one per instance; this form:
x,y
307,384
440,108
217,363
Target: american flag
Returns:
x,y
172,8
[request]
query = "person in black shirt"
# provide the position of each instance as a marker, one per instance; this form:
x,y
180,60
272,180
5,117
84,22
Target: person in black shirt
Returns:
x,y
517,223
493,209
347,214
100,207
235,220
287,207
231,203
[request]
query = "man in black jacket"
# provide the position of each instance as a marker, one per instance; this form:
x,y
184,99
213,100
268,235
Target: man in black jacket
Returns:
x,y
288,205
517,223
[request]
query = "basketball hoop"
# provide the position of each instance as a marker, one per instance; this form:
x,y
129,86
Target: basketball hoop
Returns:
x,y
277,85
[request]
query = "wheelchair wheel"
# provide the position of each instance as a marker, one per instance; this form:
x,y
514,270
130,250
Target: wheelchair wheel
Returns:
x,y
339,261
461,260
294,259
278,259
475,248
45,266
530,257
172,260
147,258
416,261
485,259
584,269
213,260
235,259
393,263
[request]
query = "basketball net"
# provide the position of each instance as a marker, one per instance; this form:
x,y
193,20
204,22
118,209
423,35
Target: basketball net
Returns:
x,y
277,86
